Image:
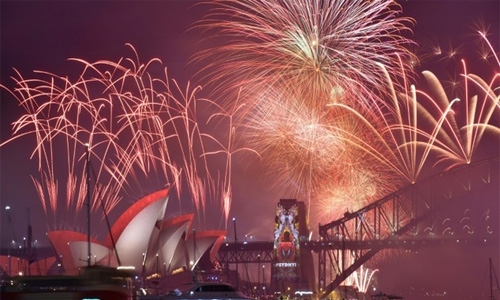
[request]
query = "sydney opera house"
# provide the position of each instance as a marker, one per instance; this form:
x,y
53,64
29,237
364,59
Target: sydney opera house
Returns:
x,y
141,238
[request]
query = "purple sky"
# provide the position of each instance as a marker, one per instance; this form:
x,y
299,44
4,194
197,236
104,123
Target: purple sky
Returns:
x,y
43,34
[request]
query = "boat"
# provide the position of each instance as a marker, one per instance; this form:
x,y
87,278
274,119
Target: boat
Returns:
x,y
94,283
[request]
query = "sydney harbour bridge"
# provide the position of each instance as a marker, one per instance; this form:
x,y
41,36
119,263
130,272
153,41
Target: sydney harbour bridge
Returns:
x,y
424,214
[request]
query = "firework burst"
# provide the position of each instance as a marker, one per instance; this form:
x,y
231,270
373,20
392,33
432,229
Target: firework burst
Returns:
x,y
326,51
291,60
142,130
368,154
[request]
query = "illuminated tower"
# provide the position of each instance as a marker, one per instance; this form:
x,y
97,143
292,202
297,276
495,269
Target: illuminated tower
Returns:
x,y
290,266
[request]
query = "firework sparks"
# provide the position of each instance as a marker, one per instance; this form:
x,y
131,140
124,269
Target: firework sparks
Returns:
x,y
361,278
138,129
465,120
228,150
326,51
362,151
290,60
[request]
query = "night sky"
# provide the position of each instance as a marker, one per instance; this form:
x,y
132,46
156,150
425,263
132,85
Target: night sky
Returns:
x,y
41,35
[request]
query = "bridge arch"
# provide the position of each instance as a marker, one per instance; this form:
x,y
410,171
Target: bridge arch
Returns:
x,y
403,218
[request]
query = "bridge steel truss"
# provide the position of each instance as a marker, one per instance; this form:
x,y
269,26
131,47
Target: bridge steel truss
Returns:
x,y
399,218
404,219
253,252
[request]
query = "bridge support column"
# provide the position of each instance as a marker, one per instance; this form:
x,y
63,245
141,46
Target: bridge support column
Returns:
x,y
322,269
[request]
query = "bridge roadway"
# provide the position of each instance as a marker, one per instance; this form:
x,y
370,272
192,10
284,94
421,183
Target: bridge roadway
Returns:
x,y
262,251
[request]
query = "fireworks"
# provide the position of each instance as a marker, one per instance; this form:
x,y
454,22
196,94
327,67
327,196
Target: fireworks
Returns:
x,y
142,134
324,51
361,278
330,107
344,157
291,61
